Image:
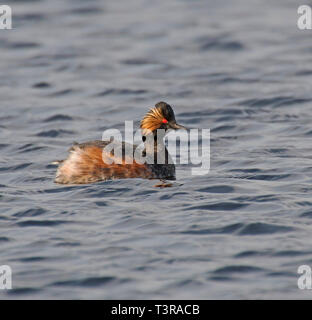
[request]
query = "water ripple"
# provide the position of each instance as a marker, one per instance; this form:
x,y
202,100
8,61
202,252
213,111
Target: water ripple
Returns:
x,y
41,223
87,282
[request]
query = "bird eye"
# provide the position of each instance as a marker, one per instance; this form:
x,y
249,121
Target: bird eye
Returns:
x,y
164,120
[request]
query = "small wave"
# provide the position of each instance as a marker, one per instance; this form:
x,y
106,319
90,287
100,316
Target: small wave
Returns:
x,y
30,212
260,198
54,133
58,117
86,10
68,244
61,189
188,283
241,229
88,282
138,61
62,93
31,259
268,177
33,17
120,92
15,167
306,214
23,291
219,43
237,269
220,206
41,223
278,101
3,145
223,128
212,112
229,229
30,147
251,253
282,274
291,253
259,228
23,45
41,85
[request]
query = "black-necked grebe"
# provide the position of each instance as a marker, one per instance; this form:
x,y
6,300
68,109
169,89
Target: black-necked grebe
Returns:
x,y
85,161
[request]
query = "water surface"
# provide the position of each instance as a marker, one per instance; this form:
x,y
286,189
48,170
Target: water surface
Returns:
x,y
71,69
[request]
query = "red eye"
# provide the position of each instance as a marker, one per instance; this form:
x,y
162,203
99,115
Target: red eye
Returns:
x,y
164,120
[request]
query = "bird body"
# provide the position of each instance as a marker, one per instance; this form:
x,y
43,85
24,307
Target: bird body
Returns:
x,y
90,161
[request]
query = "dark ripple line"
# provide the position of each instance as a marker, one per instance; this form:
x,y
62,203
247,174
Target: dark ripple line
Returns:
x,y
226,206
62,189
30,212
291,253
31,259
34,148
30,17
54,133
41,85
42,223
138,61
227,229
204,113
15,168
237,269
259,228
306,214
86,10
3,145
23,45
121,92
275,101
219,43
58,117
217,189
61,93
268,177
88,282
241,229
282,274
261,198
23,291
251,253
223,128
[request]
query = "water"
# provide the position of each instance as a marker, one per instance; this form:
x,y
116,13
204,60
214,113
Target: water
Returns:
x,y
70,69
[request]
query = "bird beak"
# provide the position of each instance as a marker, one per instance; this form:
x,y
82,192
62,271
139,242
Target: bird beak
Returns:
x,y
176,126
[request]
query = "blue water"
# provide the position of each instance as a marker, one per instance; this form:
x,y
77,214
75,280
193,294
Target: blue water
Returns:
x,y
71,69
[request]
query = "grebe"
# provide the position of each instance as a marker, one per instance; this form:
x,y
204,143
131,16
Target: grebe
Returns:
x,y
85,161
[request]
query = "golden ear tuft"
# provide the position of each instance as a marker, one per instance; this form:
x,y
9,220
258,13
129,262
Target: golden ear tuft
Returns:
x,y
152,120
